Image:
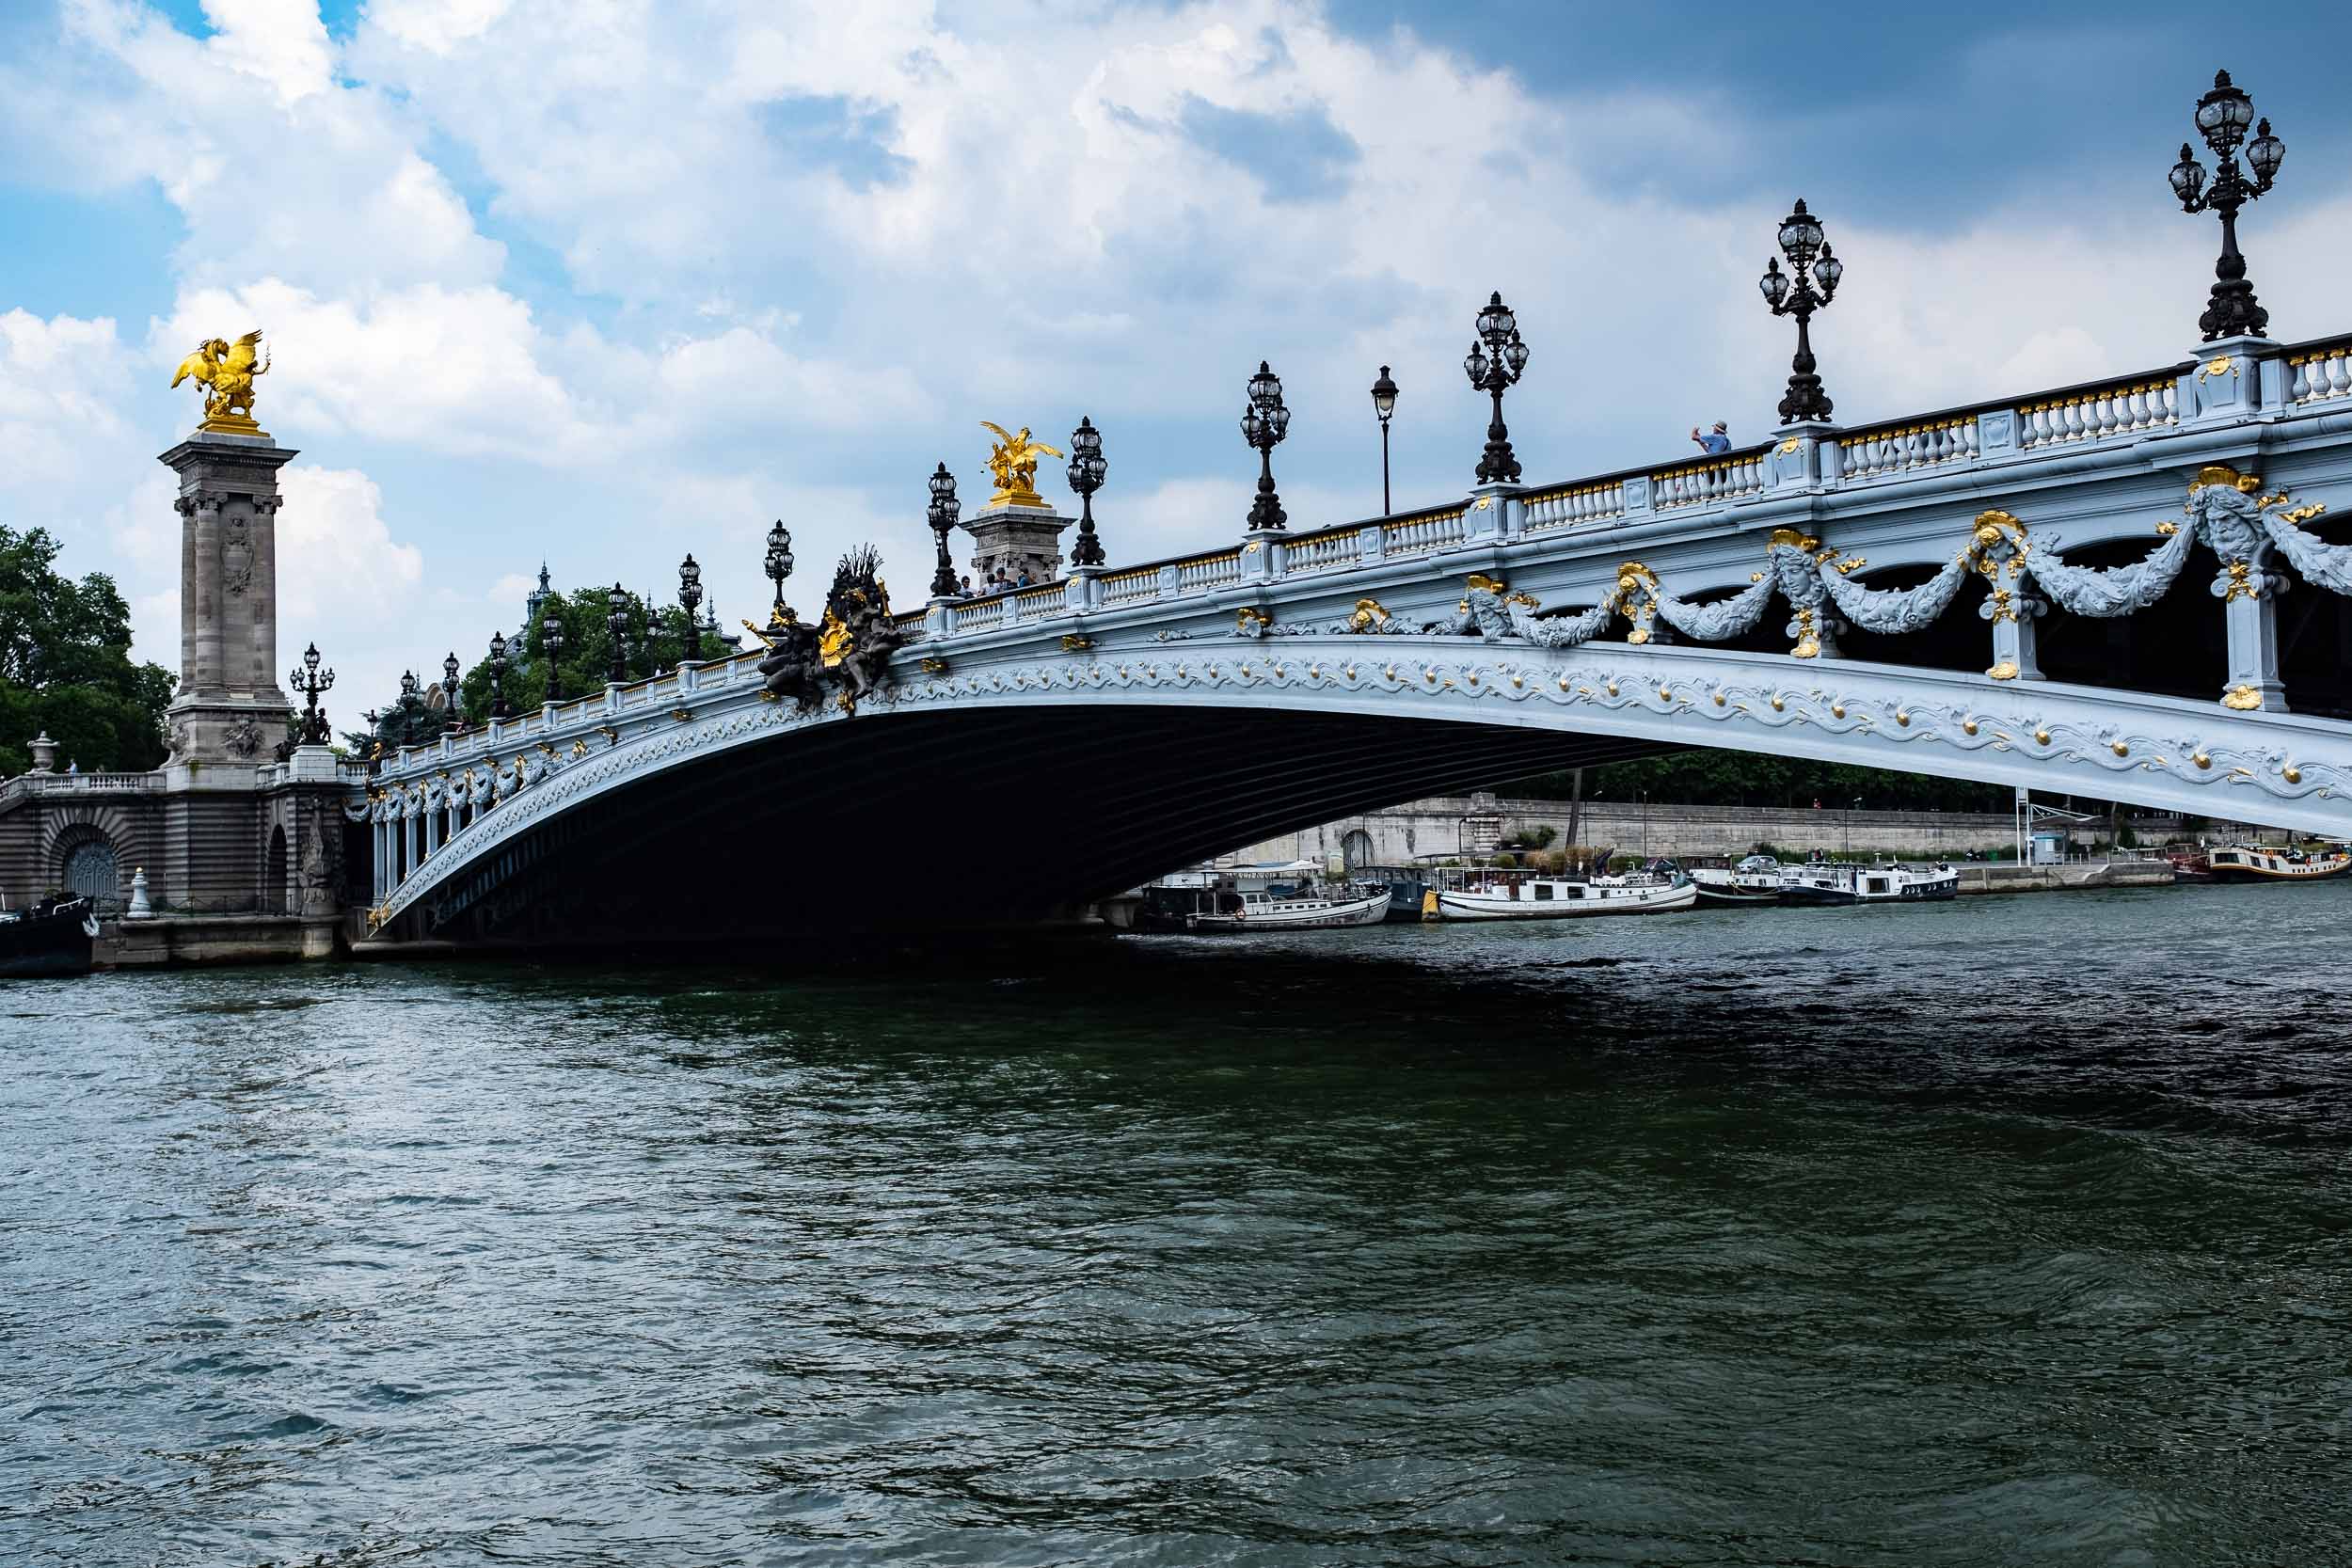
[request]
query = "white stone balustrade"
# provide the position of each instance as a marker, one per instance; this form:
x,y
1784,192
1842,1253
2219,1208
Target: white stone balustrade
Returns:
x,y
1698,483
1418,535
1036,604
2119,410
1205,571
1899,447
1131,586
2323,373
980,615
1318,553
1573,505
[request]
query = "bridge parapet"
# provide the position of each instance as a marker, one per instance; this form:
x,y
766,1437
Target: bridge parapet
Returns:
x,y
2009,493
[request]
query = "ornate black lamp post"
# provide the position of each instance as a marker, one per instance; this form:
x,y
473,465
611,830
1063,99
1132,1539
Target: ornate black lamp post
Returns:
x,y
1384,405
498,678
452,722
1809,262
618,623
411,707
942,513
779,566
1262,425
2222,116
551,641
310,683
375,733
690,593
1086,469
1494,363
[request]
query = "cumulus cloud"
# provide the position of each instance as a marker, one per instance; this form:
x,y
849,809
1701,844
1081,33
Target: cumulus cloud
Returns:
x,y
707,269
62,384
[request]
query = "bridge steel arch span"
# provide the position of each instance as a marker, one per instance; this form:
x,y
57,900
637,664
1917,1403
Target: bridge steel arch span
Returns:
x,y
1031,782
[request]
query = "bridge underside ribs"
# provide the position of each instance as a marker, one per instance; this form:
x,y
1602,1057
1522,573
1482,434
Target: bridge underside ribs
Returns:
x,y
934,821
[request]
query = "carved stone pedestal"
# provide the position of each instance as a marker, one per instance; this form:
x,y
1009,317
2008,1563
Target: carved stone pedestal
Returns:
x,y
1016,537
230,712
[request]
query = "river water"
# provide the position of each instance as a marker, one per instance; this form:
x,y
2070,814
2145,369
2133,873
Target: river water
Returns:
x,y
2009,1230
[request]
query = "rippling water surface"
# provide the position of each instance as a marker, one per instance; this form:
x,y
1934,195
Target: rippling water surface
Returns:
x,y
2012,1230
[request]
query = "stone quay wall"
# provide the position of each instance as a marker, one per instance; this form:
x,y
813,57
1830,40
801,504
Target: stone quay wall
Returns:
x,y
1475,825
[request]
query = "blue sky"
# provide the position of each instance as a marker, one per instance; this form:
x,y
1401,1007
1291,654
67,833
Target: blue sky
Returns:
x,y
603,281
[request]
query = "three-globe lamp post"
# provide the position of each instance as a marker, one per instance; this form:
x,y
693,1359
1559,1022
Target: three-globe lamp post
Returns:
x,y
310,683
1497,358
690,593
1086,469
941,513
499,709
2222,116
616,623
1264,424
1809,263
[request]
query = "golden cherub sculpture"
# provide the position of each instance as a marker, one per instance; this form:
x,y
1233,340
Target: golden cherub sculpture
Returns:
x,y
1013,465
227,370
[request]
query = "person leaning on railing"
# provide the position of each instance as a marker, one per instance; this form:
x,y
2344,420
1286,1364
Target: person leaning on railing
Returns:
x,y
1716,441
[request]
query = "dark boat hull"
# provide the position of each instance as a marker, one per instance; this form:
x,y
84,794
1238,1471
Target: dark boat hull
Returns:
x,y
56,941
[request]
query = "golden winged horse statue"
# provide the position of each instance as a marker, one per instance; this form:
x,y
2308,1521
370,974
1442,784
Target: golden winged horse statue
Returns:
x,y
227,370
1013,466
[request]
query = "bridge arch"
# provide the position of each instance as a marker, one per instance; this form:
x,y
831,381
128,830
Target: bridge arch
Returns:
x,y
1147,759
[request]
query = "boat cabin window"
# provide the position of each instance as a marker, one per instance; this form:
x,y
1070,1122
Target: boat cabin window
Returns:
x,y
1543,893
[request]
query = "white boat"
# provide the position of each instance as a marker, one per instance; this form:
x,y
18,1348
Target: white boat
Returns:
x,y
1755,881
1287,898
1556,898
2254,862
1836,883
1268,912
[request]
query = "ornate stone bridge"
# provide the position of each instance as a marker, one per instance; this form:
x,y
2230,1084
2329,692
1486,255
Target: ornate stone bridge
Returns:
x,y
2119,591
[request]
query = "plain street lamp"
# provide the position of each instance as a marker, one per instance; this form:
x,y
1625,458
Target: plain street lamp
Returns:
x,y
1384,405
617,624
2222,116
690,593
942,513
1086,469
1810,263
1264,424
779,567
1497,357
310,683
498,678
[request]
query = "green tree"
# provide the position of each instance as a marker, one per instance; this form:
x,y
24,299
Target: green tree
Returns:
x,y
65,666
656,641
1711,777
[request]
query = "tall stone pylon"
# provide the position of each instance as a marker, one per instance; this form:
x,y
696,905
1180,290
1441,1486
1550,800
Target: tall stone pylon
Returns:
x,y
229,711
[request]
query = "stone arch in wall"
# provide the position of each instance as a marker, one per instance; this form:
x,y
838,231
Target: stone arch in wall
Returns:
x,y
276,886
89,867
1356,850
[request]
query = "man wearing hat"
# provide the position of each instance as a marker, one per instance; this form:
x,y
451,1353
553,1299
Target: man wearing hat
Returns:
x,y
1715,442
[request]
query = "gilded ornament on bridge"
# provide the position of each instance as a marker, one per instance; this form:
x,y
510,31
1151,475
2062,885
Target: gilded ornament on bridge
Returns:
x,y
2244,699
1012,462
227,371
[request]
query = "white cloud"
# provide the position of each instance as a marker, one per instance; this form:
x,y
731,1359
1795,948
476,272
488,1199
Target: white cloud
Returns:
x,y
815,245
62,382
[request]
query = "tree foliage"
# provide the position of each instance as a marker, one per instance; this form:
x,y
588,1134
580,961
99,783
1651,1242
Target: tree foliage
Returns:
x,y
1710,778
65,666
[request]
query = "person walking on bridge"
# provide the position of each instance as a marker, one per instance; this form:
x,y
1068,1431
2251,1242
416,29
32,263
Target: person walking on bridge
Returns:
x,y
1716,441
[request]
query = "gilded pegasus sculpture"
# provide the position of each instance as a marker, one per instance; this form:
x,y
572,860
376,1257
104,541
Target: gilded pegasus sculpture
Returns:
x,y
227,371
1013,466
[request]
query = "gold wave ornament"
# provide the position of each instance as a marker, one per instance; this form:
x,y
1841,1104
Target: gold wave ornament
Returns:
x,y
227,371
1012,464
